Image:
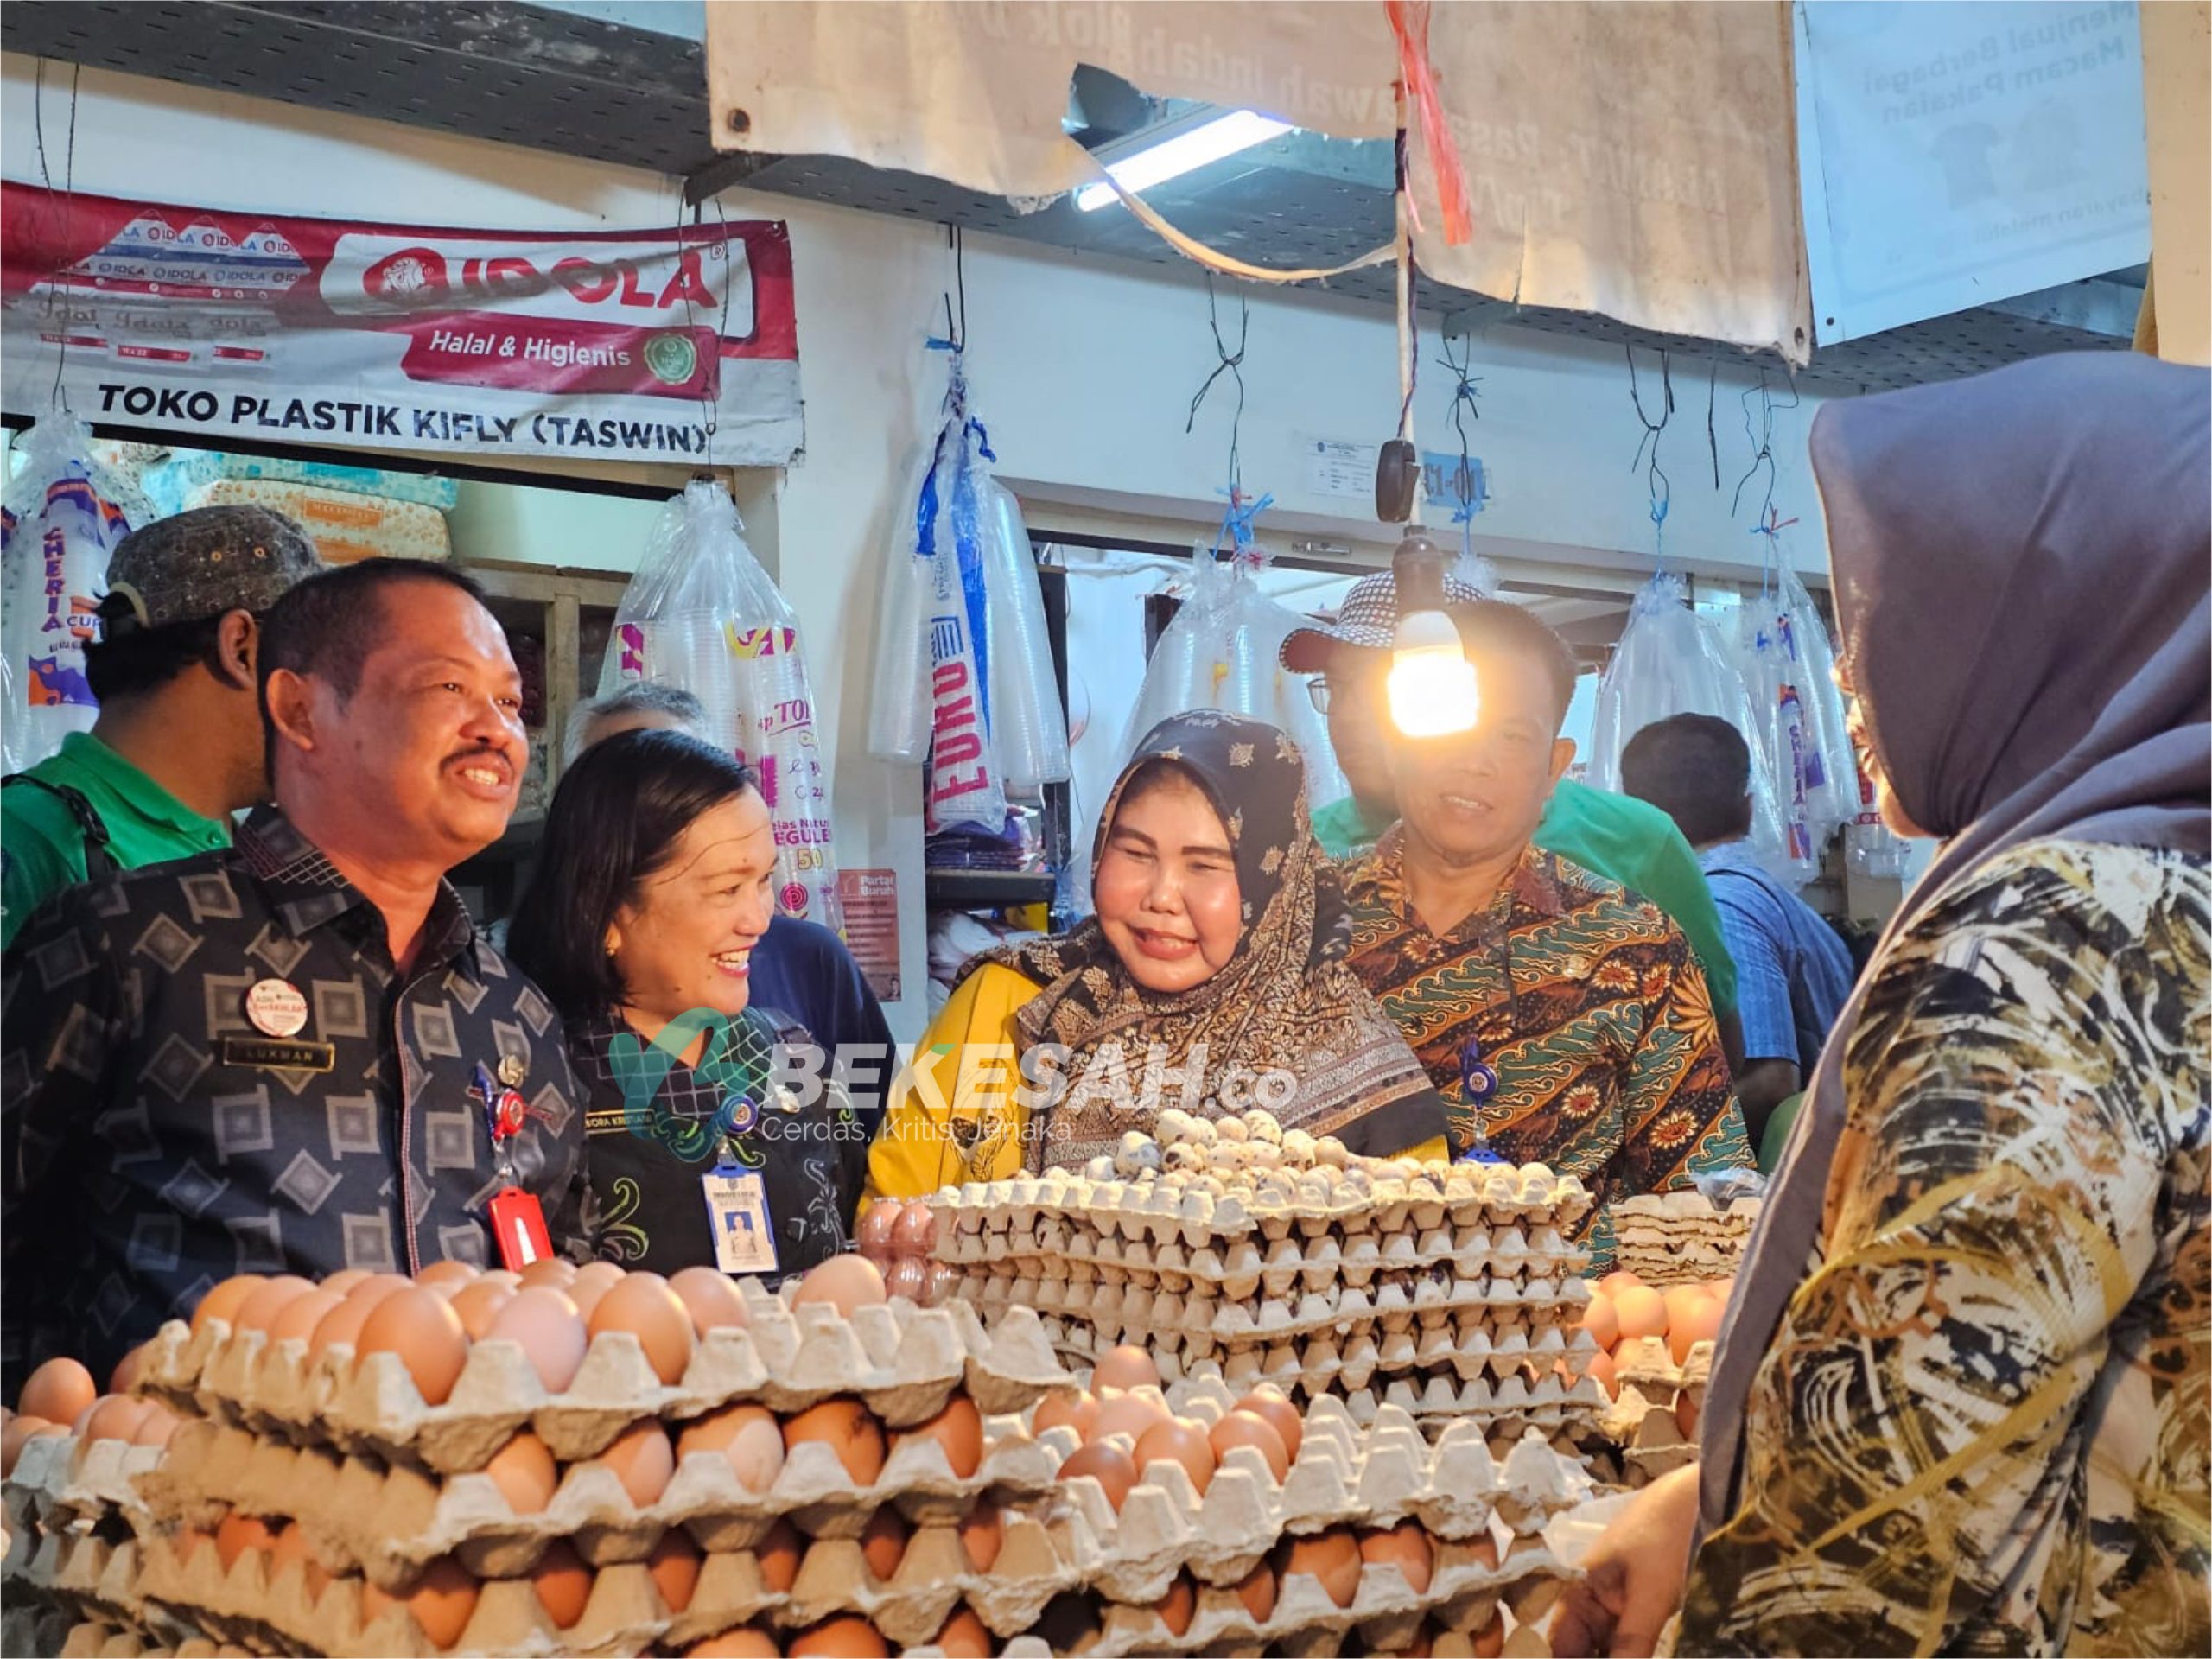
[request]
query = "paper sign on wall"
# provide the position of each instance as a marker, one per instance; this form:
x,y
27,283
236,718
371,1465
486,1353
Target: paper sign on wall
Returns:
x,y
870,899
1340,470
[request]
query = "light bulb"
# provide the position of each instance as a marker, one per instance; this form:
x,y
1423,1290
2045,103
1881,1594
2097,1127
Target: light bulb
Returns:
x,y
1432,683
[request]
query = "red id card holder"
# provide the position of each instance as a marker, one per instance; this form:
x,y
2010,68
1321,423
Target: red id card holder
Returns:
x,y
519,1225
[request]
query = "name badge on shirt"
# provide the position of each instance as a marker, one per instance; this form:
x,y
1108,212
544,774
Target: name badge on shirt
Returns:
x,y
279,1054
737,1215
518,1229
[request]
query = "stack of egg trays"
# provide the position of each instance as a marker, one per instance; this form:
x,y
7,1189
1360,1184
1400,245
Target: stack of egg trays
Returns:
x,y
94,1639
73,1516
1489,1520
383,1483
1640,1423
1680,1238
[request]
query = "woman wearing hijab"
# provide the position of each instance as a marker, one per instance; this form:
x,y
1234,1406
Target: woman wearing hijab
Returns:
x,y
653,884
1960,1402
1211,977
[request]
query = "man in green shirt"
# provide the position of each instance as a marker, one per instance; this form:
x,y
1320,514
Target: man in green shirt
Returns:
x,y
177,747
1629,841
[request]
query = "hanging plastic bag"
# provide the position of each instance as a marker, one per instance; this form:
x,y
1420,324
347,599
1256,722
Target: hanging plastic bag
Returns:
x,y
62,518
702,615
1835,800
1672,661
1770,673
1029,723
1221,652
899,713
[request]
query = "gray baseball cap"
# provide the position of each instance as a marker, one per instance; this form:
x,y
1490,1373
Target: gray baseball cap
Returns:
x,y
1368,618
201,563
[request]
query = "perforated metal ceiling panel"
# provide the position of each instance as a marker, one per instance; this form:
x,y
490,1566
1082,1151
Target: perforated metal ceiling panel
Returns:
x,y
579,86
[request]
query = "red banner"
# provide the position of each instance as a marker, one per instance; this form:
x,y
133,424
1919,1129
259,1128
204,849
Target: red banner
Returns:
x,y
639,345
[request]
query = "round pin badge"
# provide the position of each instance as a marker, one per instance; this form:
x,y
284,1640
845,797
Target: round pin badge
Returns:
x,y
276,1008
513,1070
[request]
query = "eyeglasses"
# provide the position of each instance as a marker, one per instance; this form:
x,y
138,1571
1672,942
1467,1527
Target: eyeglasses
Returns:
x,y
1317,689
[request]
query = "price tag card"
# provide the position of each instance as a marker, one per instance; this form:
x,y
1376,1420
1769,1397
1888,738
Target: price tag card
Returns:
x,y
737,1215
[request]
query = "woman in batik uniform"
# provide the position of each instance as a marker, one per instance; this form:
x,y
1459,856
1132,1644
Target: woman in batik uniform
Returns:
x,y
1960,1400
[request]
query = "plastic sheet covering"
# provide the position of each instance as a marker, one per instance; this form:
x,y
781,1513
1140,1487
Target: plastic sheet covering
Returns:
x,y
900,714
1772,673
1220,653
1672,661
701,613
1825,718
63,517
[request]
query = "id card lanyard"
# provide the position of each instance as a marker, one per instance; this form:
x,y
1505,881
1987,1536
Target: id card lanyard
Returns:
x,y
517,1220
736,1196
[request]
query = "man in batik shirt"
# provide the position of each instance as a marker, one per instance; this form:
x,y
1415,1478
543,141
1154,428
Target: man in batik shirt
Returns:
x,y
1564,1020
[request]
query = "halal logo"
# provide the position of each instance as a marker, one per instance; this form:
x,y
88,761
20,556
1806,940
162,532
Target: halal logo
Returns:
x,y
672,358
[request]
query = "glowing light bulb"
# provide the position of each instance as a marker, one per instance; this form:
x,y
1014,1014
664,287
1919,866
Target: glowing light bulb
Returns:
x,y
1432,685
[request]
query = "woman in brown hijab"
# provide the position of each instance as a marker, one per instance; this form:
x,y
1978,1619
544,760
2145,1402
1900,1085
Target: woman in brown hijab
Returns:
x,y
1960,1403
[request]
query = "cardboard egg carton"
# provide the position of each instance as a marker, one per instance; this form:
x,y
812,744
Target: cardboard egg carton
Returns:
x,y
386,1520
1465,1589
1671,1238
1242,1268
83,1572
59,1478
1648,1363
903,1362
96,1640
1172,1206
1547,1403
1650,1440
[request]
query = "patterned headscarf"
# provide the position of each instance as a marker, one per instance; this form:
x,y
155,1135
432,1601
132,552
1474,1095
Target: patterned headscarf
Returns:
x,y
1286,999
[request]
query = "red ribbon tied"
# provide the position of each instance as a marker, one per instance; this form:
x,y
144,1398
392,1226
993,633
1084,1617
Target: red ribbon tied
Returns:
x,y
1409,22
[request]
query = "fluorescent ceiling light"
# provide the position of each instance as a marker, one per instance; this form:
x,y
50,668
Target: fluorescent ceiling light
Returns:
x,y
1187,151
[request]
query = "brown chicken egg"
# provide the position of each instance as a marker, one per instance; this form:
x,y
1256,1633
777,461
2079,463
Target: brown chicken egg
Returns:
x,y
709,1296
1133,1414
340,1327
525,1472
222,1302
843,1637
543,1324
777,1553
1178,1441
551,1271
845,1282
643,1305
674,1565
124,1377
959,1429
907,1276
478,1303
1686,1415
883,1543
1406,1547
1482,1549
564,1585
1075,1408
1269,1403
983,1534
292,1546
23,1428
111,1417
1249,1428
239,1533
593,1280
1330,1558
378,1286
643,1460
420,1327
749,1437
1699,1321
1125,1367
1489,1641
297,1321
878,1222
1176,1607
1257,1591
444,1600
58,1391
449,1272
156,1427
344,1280
743,1642
1108,1464
964,1636
915,1231
269,1298
848,1428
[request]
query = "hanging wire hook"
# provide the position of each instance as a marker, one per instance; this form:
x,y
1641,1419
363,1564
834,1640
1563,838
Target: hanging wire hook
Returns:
x,y
58,396
1465,403
1661,488
1762,440
1232,364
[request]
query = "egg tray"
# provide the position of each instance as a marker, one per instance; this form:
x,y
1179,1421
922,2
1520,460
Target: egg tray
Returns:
x,y
1547,1402
81,1572
1464,1591
94,1640
1695,1263
1240,1267
1169,1207
1471,1305
903,1362
1648,1363
1687,1209
58,1478
387,1520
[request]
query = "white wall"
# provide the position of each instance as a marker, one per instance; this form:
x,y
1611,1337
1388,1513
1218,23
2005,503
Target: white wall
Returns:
x,y
1083,370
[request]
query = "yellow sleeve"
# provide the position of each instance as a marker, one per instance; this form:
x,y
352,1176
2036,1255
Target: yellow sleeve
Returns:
x,y
1437,1149
964,1071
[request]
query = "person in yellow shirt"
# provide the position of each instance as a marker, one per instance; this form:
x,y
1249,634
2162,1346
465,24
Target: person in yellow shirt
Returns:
x,y
1212,978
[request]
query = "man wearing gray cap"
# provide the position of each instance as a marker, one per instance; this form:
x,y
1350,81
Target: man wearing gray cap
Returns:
x,y
177,747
